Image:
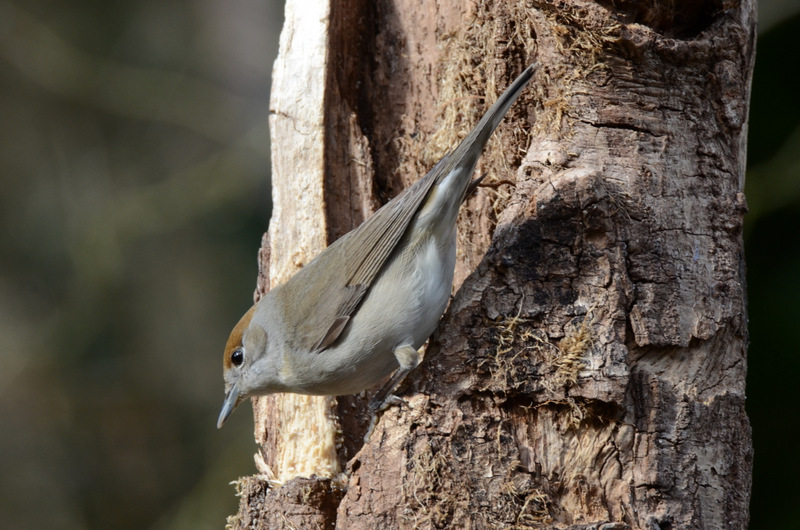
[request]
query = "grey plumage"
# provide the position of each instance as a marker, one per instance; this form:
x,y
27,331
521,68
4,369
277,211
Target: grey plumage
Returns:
x,y
361,308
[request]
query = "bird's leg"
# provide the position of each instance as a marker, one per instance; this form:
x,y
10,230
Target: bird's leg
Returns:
x,y
408,359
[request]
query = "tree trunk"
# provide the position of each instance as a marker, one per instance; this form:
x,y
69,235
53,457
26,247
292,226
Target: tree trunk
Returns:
x,y
590,370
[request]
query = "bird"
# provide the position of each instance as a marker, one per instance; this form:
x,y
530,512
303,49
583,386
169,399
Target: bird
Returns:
x,y
361,309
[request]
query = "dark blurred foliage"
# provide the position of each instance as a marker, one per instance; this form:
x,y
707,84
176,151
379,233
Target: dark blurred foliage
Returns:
x,y
134,166
772,250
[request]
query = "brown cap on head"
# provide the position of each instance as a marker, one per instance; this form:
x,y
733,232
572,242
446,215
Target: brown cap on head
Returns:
x,y
235,339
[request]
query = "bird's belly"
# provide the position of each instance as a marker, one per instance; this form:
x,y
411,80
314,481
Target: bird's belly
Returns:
x,y
403,307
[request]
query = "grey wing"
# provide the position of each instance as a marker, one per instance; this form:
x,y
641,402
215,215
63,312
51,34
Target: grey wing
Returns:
x,y
366,249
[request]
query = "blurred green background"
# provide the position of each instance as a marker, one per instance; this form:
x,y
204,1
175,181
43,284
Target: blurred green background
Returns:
x,y
134,189
134,168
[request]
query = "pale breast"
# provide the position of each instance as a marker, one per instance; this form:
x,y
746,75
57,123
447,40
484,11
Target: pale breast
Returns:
x,y
402,307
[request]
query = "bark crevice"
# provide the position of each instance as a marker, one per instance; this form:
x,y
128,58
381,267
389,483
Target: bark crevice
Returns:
x,y
590,370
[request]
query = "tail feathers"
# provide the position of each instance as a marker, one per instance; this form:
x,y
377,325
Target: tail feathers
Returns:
x,y
449,180
474,185
468,151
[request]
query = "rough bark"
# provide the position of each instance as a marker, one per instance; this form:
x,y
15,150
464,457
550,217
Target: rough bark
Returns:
x,y
590,370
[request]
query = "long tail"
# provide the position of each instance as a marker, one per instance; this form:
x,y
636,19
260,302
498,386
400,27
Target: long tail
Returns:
x,y
447,184
466,154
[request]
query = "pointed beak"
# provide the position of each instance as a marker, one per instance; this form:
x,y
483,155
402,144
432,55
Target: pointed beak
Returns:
x,y
232,401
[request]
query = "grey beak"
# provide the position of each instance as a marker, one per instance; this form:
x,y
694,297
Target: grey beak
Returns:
x,y
231,402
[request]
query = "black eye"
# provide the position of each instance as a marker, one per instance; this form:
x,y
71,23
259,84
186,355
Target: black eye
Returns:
x,y
237,357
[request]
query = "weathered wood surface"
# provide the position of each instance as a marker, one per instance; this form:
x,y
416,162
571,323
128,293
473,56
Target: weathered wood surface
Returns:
x,y
590,371
298,232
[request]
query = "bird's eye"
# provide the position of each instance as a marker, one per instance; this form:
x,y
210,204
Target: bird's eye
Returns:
x,y
237,357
